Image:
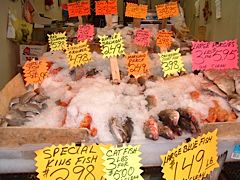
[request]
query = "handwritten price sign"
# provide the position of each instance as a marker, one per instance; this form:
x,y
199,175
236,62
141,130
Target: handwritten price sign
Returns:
x,y
142,37
136,11
171,62
78,9
106,7
111,46
35,71
122,163
137,64
192,160
78,54
213,55
57,41
85,32
167,10
164,39
70,162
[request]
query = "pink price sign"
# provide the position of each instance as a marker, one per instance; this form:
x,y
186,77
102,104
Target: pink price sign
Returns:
x,y
142,37
215,55
85,32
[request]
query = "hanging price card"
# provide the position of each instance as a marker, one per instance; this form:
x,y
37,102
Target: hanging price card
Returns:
x,y
78,54
193,160
142,37
137,64
167,10
85,32
79,9
136,11
70,162
57,41
213,55
122,163
111,46
171,62
35,71
106,7
164,39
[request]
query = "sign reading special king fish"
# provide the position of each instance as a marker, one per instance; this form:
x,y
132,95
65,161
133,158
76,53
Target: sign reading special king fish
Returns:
x,y
215,55
193,160
70,162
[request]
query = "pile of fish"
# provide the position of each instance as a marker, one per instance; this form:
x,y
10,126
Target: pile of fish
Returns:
x,y
22,108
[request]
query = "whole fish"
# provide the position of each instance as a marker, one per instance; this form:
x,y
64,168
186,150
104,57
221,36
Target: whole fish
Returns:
x,y
128,127
170,118
187,121
165,131
216,172
28,108
150,129
27,97
16,118
121,131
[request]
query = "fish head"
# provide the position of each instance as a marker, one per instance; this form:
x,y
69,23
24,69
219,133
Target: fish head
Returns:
x,y
174,116
151,129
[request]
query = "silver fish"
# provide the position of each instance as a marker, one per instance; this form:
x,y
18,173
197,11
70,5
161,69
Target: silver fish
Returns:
x,y
170,118
16,118
28,108
14,101
215,174
27,97
128,127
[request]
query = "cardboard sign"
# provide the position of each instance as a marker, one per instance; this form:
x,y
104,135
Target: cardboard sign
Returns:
x,y
142,37
138,64
111,46
213,55
122,162
106,7
70,162
193,160
35,71
78,9
78,54
85,32
57,41
136,11
167,10
164,39
171,62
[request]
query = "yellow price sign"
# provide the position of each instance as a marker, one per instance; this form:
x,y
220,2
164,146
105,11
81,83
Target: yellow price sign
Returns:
x,y
78,54
70,162
193,160
57,41
122,163
171,62
111,46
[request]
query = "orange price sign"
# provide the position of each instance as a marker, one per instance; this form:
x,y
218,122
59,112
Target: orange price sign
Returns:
x,y
167,10
137,64
164,39
136,11
78,9
105,8
35,71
